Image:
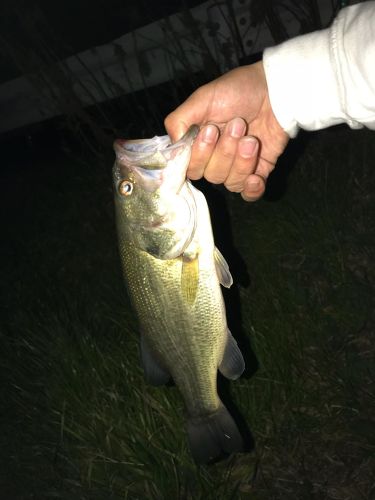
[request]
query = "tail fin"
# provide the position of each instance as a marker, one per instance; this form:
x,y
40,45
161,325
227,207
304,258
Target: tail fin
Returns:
x,y
213,435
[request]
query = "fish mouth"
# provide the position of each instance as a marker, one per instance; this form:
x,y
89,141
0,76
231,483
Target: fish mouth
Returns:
x,y
152,154
143,146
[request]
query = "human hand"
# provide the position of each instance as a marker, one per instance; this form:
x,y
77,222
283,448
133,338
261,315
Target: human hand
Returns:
x,y
240,138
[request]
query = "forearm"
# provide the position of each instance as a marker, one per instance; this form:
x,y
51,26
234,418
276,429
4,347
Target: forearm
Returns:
x,y
326,77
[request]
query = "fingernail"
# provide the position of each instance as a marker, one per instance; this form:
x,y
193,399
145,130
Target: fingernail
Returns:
x,y
254,184
210,134
237,128
254,189
248,146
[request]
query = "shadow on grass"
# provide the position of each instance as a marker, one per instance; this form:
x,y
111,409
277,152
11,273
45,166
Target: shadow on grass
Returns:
x,y
222,228
277,182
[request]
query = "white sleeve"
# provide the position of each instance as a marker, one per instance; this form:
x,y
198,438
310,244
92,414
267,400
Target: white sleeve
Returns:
x,y
326,77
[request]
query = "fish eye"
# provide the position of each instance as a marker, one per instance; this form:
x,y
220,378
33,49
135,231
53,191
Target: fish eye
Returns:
x,y
125,188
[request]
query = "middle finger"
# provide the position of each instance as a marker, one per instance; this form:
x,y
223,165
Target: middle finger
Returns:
x,y
203,148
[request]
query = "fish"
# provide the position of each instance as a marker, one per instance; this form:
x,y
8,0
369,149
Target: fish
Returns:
x,y
173,273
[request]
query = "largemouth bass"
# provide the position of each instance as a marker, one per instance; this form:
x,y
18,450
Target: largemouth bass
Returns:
x,y
173,273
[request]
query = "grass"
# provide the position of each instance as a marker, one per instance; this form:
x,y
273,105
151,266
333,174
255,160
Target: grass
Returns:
x,y
77,419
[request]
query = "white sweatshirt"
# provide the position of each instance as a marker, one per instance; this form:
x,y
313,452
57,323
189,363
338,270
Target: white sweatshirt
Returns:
x,y
326,77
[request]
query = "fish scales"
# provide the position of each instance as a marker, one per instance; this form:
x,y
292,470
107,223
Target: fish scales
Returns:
x,y
179,337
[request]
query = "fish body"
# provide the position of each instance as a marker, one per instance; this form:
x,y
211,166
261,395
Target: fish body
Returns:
x,y
173,273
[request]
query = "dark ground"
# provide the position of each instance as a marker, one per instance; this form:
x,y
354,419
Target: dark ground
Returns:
x,y
77,420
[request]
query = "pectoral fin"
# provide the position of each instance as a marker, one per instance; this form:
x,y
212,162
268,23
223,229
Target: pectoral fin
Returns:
x,y
222,269
154,373
189,279
232,364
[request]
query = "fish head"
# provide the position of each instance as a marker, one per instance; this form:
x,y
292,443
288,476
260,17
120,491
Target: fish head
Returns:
x,y
154,209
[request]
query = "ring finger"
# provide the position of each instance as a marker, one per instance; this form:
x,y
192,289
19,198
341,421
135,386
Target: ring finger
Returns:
x,y
244,163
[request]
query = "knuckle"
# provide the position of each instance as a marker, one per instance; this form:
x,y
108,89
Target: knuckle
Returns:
x,y
233,187
214,177
168,119
227,147
227,153
195,174
242,168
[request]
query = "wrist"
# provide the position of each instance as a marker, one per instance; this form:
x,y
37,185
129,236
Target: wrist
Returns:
x,y
302,83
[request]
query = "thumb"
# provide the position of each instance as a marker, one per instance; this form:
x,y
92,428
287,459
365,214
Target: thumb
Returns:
x,y
190,112
174,126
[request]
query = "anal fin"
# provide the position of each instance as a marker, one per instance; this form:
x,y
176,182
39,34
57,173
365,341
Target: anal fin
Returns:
x,y
232,364
154,373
